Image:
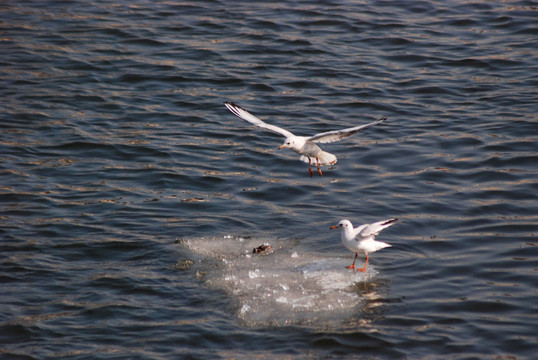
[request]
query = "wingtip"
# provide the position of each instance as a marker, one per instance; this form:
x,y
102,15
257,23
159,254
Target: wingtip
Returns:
x,y
231,105
234,108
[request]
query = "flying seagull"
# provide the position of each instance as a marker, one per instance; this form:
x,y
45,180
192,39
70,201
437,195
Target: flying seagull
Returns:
x,y
304,145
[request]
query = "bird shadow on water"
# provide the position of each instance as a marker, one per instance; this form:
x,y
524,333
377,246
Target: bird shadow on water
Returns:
x,y
271,282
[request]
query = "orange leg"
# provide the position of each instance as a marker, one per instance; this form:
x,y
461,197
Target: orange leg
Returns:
x,y
317,165
352,266
364,268
310,168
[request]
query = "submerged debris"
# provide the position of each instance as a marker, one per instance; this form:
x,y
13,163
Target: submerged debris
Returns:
x,y
263,249
200,274
184,264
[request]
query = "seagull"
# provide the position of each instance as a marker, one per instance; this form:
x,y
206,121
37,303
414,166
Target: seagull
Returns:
x,y
303,145
362,238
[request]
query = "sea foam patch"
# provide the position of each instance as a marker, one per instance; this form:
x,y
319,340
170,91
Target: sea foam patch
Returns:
x,y
284,285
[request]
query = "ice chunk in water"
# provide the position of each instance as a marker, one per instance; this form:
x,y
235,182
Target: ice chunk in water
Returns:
x,y
286,286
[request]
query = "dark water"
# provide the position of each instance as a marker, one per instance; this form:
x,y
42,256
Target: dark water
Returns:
x,y
131,198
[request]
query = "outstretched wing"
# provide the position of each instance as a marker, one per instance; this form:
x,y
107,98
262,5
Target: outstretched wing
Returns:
x,y
245,115
375,228
337,135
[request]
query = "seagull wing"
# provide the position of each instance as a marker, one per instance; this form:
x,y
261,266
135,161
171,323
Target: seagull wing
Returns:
x,y
337,135
245,115
375,228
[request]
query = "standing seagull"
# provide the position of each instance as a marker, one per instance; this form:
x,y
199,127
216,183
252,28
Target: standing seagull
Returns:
x,y
303,145
362,238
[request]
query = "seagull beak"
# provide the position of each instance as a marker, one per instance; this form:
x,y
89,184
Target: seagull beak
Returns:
x,y
282,147
333,227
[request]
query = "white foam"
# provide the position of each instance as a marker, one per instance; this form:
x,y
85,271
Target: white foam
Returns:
x,y
283,287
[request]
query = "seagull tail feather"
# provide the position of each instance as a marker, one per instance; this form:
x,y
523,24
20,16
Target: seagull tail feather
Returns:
x,y
324,158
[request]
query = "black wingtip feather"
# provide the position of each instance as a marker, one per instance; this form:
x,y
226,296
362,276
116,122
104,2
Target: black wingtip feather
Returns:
x,y
231,105
390,221
233,108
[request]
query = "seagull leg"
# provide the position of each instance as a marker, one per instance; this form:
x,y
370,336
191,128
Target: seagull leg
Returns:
x,y
317,165
364,268
352,266
310,168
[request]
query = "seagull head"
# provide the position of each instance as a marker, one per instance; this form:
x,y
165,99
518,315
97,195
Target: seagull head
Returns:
x,y
291,142
343,224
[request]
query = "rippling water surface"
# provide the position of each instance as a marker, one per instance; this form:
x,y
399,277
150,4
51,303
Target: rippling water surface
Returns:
x,y
131,198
